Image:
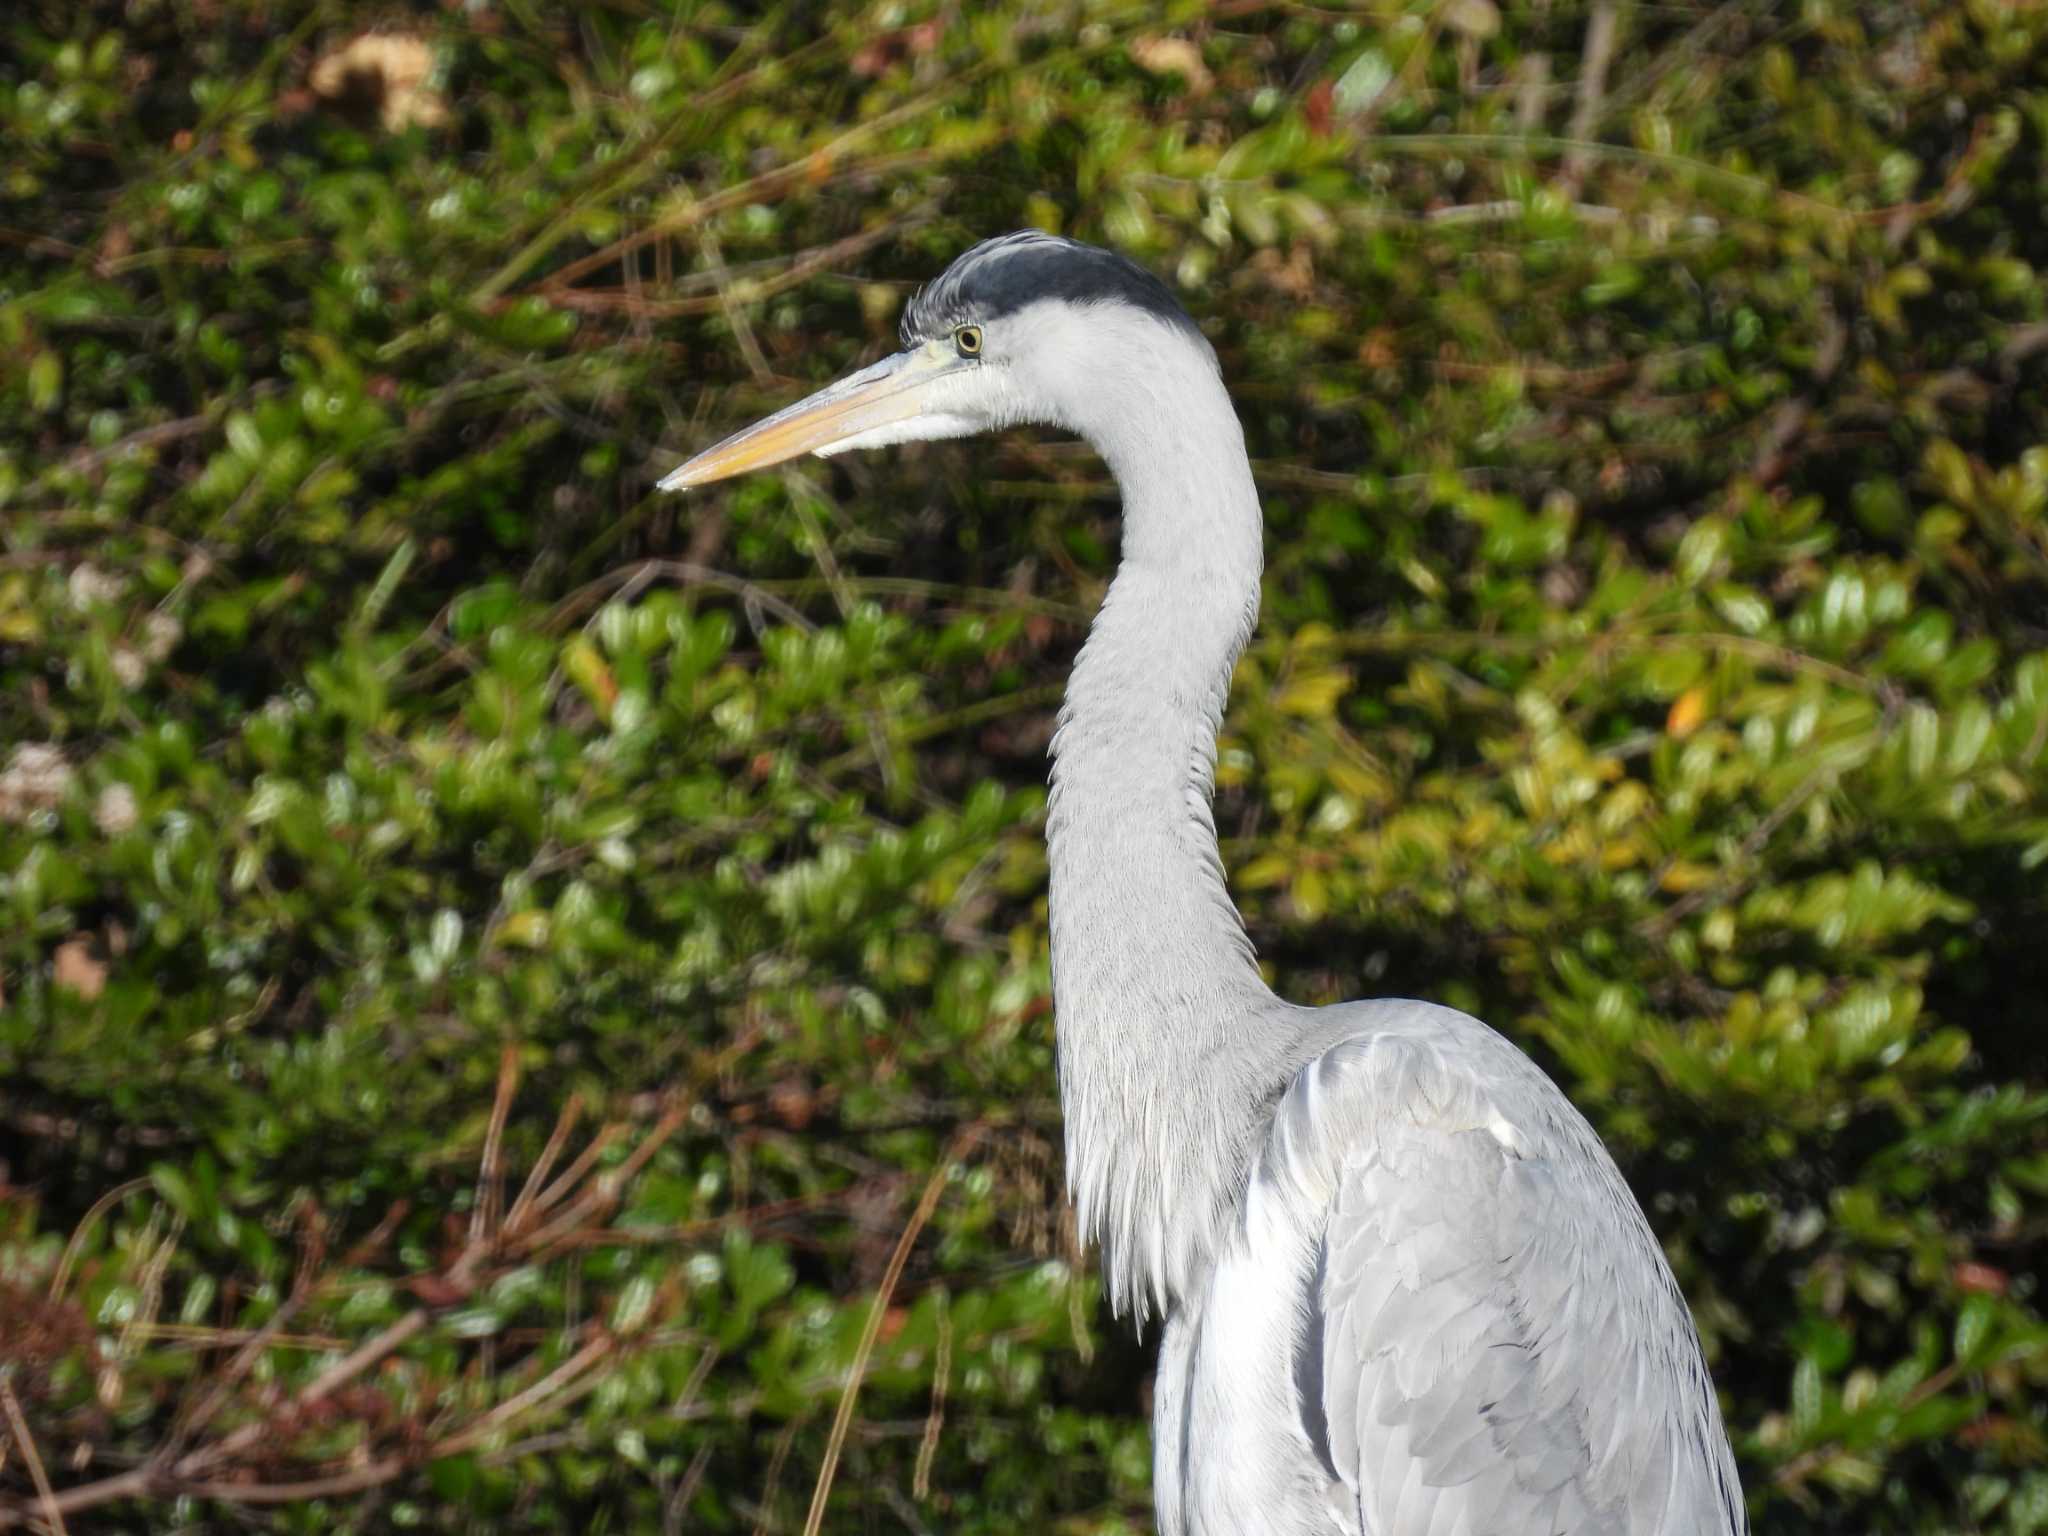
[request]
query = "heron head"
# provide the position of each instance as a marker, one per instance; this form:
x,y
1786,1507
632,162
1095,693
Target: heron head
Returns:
x,y
1027,327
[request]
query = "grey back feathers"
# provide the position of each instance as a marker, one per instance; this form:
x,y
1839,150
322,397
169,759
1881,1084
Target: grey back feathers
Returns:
x,y
1008,274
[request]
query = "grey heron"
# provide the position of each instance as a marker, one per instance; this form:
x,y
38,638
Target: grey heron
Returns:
x,y
1405,1290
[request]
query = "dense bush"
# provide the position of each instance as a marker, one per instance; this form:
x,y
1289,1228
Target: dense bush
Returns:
x,y
1649,402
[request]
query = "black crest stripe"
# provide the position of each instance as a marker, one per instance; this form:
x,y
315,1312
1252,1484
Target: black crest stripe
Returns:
x,y
1001,276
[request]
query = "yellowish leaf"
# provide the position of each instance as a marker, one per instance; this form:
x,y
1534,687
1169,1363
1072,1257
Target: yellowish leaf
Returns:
x,y
1313,695
1688,876
588,670
1687,713
1311,895
529,930
1268,870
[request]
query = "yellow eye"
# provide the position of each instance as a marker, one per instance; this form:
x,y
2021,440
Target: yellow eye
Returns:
x,y
967,340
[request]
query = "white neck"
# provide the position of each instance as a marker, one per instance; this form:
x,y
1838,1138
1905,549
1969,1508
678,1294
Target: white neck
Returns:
x,y
1166,1032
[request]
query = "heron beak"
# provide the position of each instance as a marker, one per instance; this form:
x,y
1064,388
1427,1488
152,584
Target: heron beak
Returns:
x,y
866,409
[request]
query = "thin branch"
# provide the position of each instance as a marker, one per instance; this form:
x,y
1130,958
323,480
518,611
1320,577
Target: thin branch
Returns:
x,y
1602,32
194,1473
18,1423
356,1480
628,582
190,1423
76,1244
555,1192
850,1394
485,1205
764,1520
565,1123
1788,422
86,460
695,212
673,1506
1768,652
935,1421
532,1396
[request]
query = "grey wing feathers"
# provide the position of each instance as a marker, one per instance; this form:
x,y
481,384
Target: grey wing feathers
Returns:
x,y
1503,1349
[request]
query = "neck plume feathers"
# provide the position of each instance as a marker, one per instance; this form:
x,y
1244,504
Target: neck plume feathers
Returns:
x,y
1169,1045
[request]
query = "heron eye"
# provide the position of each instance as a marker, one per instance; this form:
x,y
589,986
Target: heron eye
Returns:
x,y
967,340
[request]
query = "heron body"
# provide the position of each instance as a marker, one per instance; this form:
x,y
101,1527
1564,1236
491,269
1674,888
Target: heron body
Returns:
x,y
1405,1291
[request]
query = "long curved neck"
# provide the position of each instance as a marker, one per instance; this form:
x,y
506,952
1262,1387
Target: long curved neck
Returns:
x,y
1164,1026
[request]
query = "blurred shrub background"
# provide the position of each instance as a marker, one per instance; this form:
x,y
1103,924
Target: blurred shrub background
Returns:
x,y
1649,406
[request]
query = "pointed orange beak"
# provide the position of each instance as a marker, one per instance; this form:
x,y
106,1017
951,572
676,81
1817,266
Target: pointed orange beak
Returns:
x,y
886,403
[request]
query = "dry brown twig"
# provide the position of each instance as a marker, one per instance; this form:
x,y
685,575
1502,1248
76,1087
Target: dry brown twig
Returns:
x,y
17,1427
935,1420
1602,32
850,1394
219,1468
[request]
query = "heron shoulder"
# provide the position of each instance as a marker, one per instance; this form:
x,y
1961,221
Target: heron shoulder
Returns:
x,y
1489,1338
1360,1064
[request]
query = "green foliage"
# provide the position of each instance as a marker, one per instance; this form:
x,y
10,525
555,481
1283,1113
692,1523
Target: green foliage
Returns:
x,y
1653,663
